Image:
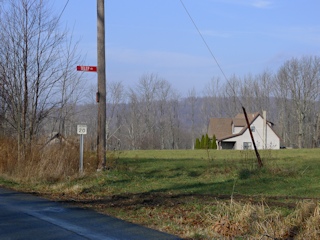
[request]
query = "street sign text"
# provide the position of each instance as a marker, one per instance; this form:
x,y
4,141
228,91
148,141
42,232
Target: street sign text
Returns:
x,y
82,129
87,68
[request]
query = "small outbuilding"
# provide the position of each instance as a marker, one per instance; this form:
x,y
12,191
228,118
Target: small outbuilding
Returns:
x,y
233,133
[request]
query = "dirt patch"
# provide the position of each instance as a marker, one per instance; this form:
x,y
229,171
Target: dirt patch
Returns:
x,y
170,200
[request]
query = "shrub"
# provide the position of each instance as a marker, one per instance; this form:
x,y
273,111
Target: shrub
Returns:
x,y
245,173
206,142
197,144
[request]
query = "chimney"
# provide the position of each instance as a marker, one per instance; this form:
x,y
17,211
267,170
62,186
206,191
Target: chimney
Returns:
x,y
264,115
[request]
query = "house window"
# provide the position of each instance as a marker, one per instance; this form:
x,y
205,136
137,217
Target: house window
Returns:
x,y
247,145
253,128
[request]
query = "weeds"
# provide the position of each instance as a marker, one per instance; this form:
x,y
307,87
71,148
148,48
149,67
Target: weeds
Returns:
x,y
223,219
261,222
51,163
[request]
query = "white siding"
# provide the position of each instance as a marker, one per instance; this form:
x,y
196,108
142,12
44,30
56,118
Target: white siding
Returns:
x,y
273,141
237,130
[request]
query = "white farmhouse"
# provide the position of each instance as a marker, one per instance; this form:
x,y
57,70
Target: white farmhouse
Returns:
x,y
233,133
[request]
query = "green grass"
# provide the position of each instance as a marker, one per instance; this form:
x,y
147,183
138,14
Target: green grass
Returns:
x,y
286,173
8,183
187,192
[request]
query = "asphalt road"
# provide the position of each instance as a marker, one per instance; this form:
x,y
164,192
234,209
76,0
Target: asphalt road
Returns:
x,y
24,216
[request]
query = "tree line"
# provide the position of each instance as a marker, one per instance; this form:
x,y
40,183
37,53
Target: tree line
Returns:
x,y
154,115
40,92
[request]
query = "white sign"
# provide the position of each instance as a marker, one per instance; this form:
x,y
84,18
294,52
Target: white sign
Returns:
x,y
82,129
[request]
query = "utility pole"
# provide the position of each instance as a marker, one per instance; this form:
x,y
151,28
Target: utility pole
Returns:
x,y
101,94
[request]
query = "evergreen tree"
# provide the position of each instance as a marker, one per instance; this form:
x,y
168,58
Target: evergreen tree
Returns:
x,y
197,144
202,143
207,142
214,142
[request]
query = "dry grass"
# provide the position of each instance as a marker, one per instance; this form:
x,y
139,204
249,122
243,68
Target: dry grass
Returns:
x,y
239,221
217,219
51,163
8,156
260,222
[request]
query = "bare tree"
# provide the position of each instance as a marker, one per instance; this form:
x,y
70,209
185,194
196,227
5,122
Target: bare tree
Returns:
x,y
211,104
191,104
230,94
284,108
146,90
68,86
151,117
115,96
263,89
32,64
300,80
162,104
246,94
133,121
175,138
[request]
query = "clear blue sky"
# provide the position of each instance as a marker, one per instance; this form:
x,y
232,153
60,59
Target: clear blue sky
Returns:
x,y
157,36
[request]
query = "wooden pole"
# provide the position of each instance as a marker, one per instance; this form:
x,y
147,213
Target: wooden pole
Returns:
x,y
101,53
253,142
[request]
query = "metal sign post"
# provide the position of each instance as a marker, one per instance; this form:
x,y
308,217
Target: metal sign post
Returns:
x,y
81,130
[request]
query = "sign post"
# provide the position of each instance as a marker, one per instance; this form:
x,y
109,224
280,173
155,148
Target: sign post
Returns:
x,y
101,94
81,130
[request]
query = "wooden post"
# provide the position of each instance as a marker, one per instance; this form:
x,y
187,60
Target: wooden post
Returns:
x,y
253,142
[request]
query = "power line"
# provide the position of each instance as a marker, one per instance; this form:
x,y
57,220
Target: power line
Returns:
x,y
64,8
244,110
209,49
205,42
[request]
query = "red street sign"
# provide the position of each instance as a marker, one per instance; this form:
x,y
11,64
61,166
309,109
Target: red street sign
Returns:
x,y
87,68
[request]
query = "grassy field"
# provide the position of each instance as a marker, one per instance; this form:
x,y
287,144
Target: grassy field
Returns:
x,y
201,194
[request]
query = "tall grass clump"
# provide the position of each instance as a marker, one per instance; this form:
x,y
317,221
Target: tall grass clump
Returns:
x,y
51,163
248,164
8,156
259,221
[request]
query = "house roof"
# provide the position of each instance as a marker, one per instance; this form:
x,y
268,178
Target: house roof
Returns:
x,y
238,122
222,127
241,120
